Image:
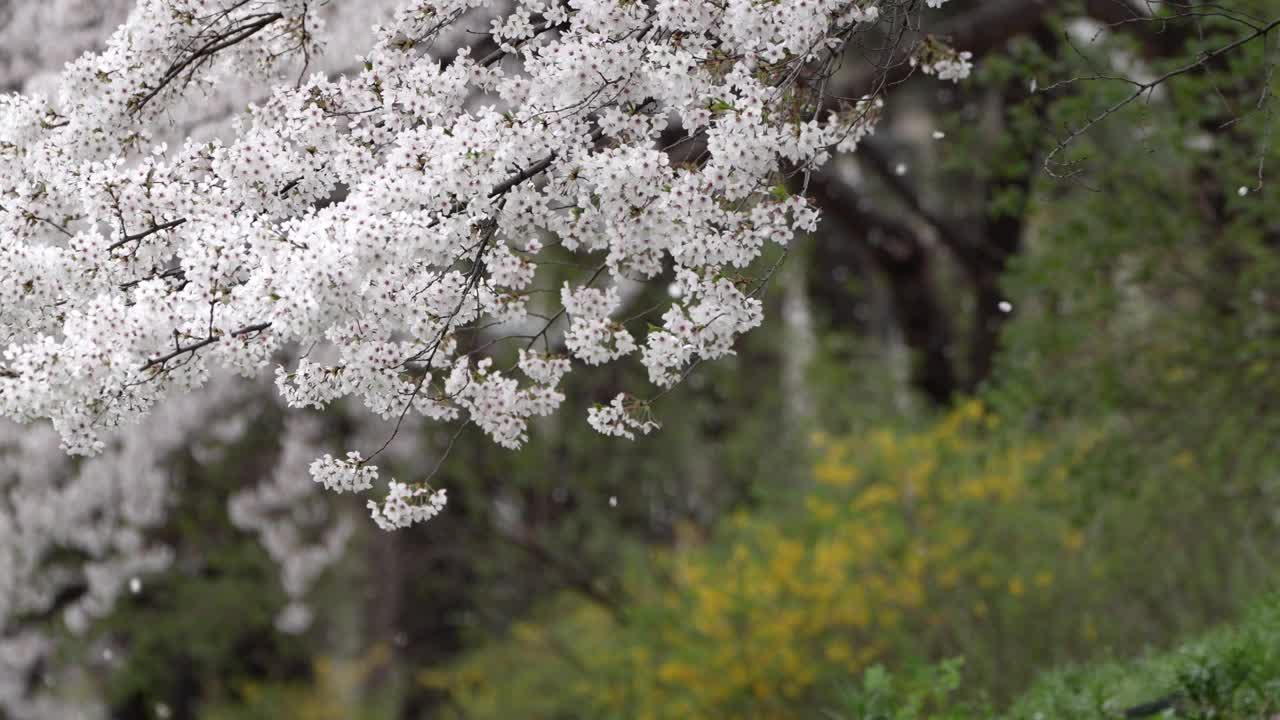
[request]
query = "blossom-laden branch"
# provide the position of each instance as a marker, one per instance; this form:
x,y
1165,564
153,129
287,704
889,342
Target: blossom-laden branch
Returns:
x,y
387,219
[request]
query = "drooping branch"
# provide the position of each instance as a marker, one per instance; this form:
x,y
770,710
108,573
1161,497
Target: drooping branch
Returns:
x,y
417,249
252,25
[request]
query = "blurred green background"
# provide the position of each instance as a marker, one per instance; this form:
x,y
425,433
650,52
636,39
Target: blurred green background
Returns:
x,y
1007,443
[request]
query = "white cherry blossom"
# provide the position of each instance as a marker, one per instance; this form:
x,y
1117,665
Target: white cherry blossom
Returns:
x,y
410,229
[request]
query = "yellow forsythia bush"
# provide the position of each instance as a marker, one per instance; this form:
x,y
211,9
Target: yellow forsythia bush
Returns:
x,y
901,544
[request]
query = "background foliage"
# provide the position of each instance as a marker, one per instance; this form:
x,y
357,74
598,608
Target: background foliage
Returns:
x,y
1019,421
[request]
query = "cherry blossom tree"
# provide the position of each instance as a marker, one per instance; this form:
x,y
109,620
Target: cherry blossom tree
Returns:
x,y
444,229
434,209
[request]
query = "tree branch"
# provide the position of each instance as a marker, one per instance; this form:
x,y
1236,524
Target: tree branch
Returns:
x,y
215,45
145,233
185,349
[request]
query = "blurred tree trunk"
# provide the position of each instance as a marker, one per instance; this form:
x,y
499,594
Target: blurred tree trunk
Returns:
x,y
903,260
798,346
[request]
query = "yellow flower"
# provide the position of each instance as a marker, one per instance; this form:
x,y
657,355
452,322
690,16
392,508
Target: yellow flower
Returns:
x,y
1016,587
920,471
819,508
837,474
865,539
875,496
949,578
676,673
889,618
1044,579
1184,460
838,651
435,679
526,631
829,559
712,601
885,442
973,409
910,593
974,489
958,537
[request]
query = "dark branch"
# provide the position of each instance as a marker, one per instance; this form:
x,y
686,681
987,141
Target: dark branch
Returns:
x,y
1142,88
215,45
185,349
145,233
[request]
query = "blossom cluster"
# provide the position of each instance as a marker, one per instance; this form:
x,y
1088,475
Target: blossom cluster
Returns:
x,y
406,225
407,505
944,62
622,417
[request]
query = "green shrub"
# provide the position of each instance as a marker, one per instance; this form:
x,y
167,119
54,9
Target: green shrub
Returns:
x,y
899,548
